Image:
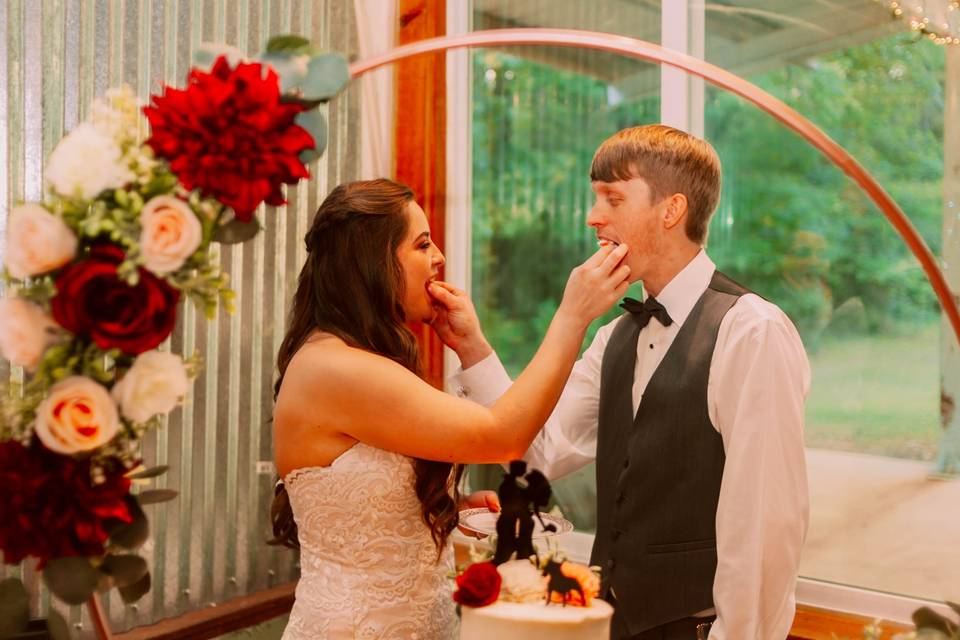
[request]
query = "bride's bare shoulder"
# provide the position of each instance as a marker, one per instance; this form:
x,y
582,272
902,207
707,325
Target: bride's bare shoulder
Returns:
x,y
324,358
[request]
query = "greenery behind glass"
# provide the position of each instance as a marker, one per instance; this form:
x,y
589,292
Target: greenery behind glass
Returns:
x,y
790,225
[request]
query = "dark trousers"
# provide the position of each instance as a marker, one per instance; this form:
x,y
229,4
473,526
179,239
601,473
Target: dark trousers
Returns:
x,y
683,629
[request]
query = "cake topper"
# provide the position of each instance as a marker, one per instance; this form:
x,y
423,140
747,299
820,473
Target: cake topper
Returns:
x,y
519,503
561,584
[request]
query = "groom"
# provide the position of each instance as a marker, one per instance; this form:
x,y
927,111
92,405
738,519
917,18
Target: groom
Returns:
x,y
691,403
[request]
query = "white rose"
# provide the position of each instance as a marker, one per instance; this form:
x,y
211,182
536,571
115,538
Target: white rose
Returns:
x,y
154,384
86,162
77,415
170,234
25,332
37,242
521,582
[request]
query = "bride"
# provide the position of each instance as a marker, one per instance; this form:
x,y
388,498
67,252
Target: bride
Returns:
x,y
370,454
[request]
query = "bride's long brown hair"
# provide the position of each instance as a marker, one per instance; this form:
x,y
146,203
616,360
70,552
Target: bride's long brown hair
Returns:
x,y
352,286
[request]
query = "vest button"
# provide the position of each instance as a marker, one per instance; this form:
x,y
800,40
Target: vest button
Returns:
x,y
611,563
621,497
616,534
626,463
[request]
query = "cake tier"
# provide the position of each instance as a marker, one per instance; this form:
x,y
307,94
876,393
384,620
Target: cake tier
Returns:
x,y
536,621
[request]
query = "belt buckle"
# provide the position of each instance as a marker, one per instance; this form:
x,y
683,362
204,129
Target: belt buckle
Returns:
x,y
703,630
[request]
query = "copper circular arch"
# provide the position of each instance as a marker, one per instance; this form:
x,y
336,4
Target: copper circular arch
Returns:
x,y
715,75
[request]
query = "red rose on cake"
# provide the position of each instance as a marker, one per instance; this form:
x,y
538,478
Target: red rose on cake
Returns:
x,y
478,586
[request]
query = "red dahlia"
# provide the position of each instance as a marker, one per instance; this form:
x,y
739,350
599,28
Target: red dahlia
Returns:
x,y
229,135
50,509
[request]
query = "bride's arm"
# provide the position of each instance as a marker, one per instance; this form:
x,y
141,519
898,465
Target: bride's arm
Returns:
x,y
381,403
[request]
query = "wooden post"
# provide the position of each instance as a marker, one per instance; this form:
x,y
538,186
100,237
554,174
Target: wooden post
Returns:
x,y
948,458
420,139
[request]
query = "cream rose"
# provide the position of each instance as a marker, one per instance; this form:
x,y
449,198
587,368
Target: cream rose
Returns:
x,y
155,383
170,234
86,162
78,414
37,242
25,332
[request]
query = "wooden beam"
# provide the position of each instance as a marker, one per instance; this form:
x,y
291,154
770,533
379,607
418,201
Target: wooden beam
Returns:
x,y
812,623
420,139
211,622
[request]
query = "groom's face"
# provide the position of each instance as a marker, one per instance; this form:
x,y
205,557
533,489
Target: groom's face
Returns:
x,y
624,212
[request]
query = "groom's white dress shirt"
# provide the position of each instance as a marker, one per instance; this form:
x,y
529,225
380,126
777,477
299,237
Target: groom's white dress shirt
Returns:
x,y
759,379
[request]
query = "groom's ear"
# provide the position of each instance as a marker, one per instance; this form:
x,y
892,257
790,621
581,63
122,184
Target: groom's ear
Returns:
x,y
675,210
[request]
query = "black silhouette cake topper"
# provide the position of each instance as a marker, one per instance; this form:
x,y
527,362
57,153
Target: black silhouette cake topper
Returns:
x,y
560,584
521,498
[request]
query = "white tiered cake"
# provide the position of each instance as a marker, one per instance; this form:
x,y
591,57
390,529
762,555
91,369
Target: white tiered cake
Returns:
x,y
521,611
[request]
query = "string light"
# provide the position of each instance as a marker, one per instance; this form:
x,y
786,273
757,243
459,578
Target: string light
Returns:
x,y
939,20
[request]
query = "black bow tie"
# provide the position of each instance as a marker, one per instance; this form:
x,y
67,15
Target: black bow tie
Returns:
x,y
643,311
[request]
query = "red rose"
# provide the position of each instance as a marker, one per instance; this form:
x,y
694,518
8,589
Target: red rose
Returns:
x,y
478,586
229,135
50,509
92,301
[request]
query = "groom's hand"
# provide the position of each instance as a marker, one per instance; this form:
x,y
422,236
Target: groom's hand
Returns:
x,y
485,499
457,325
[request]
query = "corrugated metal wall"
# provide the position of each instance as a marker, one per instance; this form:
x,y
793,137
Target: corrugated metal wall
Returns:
x,y
55,57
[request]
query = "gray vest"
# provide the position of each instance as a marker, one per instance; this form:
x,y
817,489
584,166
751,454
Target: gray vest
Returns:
x,y
658,473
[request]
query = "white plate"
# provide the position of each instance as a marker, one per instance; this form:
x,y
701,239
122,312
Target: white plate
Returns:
x,y
483,521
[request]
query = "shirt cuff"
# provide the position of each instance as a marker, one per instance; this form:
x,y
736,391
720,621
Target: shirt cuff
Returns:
x,y
482,383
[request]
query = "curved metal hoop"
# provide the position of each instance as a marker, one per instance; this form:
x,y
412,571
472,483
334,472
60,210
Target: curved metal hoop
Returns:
x,y
714,75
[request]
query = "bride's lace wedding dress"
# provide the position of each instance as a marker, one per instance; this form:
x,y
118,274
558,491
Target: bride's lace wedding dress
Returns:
x,y
368,566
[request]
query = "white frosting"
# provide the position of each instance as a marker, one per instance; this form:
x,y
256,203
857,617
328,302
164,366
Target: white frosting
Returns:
x,y
536,621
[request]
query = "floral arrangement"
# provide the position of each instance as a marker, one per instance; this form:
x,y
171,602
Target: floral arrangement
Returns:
x,y
94,275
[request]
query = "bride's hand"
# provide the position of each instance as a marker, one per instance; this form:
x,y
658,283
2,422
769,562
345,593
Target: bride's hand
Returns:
x,y
595,285
457,325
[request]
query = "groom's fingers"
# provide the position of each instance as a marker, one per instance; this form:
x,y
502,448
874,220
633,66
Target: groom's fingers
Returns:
x,y
442,294
449,287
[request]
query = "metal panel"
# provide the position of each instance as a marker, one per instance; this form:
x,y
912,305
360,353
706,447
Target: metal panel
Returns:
x,y
55,57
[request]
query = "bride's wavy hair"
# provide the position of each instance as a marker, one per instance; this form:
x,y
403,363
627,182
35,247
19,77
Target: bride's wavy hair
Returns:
x,y
352,286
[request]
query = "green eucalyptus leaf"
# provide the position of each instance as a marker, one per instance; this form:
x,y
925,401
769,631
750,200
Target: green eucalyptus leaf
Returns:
x,y
73,579
135,591
326,76
292,69
57,626
14,607
152,472
288,44
235,231
156,495
126,569
316,125
133,534
208,52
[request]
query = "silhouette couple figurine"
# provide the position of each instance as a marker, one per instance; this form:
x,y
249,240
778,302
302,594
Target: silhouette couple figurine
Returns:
x,y
519,504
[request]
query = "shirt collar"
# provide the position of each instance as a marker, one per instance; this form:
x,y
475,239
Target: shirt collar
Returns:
x,y
683,291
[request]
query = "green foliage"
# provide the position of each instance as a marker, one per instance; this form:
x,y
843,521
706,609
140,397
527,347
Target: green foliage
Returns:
x,y
790,225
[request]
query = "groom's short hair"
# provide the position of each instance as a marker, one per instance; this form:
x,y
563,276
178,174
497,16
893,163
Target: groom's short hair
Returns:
x,y
670,161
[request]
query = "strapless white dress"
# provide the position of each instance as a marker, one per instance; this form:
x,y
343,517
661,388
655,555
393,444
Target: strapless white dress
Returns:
x,y
368,566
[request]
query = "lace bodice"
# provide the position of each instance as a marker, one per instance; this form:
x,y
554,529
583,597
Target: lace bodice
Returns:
x,y
368,566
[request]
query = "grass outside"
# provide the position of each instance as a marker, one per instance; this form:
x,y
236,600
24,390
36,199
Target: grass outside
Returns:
x,y
877,394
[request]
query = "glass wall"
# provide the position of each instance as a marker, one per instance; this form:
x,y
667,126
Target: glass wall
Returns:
x,y
790,225
538,115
